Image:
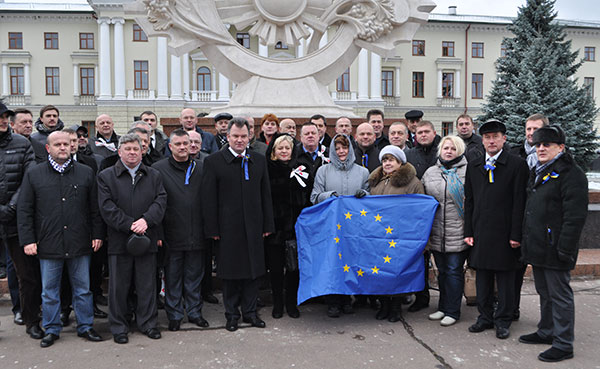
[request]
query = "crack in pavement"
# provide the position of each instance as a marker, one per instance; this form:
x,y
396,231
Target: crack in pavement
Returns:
x,y
411,332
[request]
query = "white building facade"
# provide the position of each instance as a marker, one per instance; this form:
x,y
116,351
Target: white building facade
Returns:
x,y
88,60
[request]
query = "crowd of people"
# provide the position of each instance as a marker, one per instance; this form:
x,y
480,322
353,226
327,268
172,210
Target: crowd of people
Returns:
x,y
146,207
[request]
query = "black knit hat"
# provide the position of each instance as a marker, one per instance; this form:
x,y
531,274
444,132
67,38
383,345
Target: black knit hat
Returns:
x,y
549,134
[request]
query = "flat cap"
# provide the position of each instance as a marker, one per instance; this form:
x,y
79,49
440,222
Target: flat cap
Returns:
x,y
222,116
413,114
492,125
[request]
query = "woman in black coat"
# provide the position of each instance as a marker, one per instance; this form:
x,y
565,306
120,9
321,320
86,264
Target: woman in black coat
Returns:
x,y
288,193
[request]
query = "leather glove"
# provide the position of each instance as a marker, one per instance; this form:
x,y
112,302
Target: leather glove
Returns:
x,y
334,194
360,194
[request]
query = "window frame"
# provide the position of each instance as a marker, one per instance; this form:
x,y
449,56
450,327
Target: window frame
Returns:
x,y
387,84
447,128
140,73
208,74
86,40
52,81
477,86
138,34
448,49
418,47
344,81
589,86
17,41
477,50
17,81
86,91
589,53
244,37
51,40
448,84
281,46
418,85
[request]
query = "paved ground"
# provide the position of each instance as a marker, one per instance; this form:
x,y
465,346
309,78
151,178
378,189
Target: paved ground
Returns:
x,y
315,341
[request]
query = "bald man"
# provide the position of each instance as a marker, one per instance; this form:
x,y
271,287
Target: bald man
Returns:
x,y
107,140
189,122
367,154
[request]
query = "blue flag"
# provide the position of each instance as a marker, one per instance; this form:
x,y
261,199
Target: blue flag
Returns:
x,y
368,246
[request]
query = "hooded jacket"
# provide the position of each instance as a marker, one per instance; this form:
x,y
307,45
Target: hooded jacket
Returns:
x,y
43,132
342,177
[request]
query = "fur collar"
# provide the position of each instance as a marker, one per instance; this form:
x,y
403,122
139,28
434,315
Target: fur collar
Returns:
x,y
400,178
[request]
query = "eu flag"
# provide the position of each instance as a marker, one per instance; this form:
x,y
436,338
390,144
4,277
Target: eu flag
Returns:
x,y
368,246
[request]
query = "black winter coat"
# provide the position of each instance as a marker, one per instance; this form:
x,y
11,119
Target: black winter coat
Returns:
x,y
474,148
123,202
16,156
99,148
59,211
182,223
494,211
423,157
372,153
238,211
303,158
555,215
43,132
382,142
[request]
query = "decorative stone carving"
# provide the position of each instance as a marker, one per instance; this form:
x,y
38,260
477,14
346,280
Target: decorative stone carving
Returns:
x,y
288,87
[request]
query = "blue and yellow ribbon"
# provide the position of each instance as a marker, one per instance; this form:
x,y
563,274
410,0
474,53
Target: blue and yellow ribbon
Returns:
x,y
547,177
490,168
365,160
245,166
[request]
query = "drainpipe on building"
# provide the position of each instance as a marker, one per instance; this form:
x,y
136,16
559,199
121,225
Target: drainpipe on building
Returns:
x,y
466,66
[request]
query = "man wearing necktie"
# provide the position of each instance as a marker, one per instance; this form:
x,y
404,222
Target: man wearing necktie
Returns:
x,y
494,204
238,212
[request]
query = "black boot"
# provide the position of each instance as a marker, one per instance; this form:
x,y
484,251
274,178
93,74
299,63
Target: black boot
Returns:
x,y
277,306
384,310
395,309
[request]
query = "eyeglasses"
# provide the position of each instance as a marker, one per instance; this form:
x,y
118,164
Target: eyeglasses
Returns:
x,y
82,135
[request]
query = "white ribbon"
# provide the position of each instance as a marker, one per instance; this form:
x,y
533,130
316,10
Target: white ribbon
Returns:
x,y
299,173
109,145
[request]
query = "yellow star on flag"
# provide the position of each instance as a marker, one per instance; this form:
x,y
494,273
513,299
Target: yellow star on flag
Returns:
x,y
387,259
360,272
337,240
392,243
363,213
389,230
375,270
346,268
377,218
339,226
348,215
340,255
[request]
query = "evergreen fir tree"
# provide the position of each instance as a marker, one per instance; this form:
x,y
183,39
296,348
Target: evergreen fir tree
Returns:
x,y
537,76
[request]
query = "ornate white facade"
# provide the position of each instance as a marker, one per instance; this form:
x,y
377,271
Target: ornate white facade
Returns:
x,y
123,74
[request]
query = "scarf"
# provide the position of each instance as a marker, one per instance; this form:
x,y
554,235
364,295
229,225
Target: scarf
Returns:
x,y
531,155
60,168
101,141
541,168
456,189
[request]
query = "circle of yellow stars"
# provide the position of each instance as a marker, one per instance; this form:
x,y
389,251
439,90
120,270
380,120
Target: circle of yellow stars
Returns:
x,y
386,259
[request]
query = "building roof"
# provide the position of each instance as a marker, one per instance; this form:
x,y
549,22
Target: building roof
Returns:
x,y
488,19
45,6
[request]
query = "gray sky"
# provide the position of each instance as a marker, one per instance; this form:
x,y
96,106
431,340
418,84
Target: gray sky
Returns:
x,y
567,9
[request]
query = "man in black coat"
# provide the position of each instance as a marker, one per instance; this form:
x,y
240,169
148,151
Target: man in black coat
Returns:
x,y
307,155
375,119
238,212
494,206
413,117
158,139
184,241
47,123
22,123
132,200
324,138
473,144
557,203
58,221
189,122
107,140
366,153
16,157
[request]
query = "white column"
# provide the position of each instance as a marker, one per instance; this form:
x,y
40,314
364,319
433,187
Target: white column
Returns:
x,y
161,69
263,50
363,75
27,78
104,59
186,76
75,79
119,58
397,83
175,78
300,49
96,80
5,90
375,76
439,84
223,88
457,84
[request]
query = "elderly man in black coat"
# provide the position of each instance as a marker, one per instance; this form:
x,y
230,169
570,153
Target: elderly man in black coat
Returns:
x,y
494,204
557,202
132,202
184,267
58,220
238,212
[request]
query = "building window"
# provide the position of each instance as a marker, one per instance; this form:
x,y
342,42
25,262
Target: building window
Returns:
x,y
418,48
589,53
87,81
447,128
447,48
139,34
16,81
343,82
477,50
477,86
86,40
15,40
588,83
502,50
418,84
243,39
281,45
52,81
50,40
448,84
140,74
387,83
91,127
203,78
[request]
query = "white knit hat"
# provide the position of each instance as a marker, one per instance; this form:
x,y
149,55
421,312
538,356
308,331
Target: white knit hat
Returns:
x,y
395,151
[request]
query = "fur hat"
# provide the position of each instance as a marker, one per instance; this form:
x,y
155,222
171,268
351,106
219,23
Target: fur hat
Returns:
x,y
549,134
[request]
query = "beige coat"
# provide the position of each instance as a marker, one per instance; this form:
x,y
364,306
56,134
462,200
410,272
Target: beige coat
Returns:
x,y
401,182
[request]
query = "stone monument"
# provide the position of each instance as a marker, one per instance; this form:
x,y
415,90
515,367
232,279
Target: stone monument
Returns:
x,y
294,87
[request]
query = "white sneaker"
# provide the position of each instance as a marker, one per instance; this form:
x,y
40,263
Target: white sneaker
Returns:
x,y
447,321
437,315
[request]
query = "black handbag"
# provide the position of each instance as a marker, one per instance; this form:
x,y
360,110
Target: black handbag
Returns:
x,y
291,255
138,244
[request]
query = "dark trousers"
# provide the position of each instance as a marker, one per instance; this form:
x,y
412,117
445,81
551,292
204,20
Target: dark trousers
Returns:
x,y
207,287
280,278
451,281
520,274
99,259
30,282
183,276
557,307
240,292
13,282
484,283
126,269
423,296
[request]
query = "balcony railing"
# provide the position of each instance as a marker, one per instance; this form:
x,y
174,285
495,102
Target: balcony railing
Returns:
x,y
87,100
141,95
448,102
343,95
203,96
391,100
17,100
